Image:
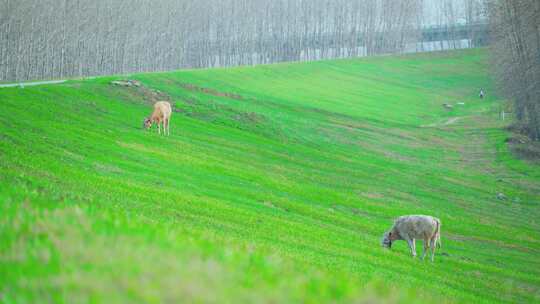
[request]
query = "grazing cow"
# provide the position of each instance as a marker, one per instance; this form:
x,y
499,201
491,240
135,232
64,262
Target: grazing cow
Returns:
x,y
161,115
412,227
481,95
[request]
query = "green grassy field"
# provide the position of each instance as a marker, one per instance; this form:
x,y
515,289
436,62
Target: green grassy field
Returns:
x,y
276,185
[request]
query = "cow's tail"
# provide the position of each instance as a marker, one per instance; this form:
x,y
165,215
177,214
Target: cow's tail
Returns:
x,y
438,234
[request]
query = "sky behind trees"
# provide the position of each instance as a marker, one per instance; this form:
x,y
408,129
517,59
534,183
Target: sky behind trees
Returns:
x,y
440,12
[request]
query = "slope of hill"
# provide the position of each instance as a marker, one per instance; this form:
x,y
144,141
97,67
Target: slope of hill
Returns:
x,y
276,185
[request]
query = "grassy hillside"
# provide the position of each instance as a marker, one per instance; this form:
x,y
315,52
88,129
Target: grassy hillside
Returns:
x,y
276,185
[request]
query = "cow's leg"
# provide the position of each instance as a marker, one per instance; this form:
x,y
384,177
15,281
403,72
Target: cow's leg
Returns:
x,y
164,126
411,244
426,244
433,242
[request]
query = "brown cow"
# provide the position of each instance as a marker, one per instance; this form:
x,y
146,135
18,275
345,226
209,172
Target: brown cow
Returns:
x,y
161,115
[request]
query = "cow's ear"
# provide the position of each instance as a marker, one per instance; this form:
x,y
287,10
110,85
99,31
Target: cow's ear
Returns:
x,y
390,233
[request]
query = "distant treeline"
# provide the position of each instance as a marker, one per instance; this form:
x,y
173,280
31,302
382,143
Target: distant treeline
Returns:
x,y
516,54
43,39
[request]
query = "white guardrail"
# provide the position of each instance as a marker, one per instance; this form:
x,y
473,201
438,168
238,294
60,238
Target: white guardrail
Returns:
x,y
29,84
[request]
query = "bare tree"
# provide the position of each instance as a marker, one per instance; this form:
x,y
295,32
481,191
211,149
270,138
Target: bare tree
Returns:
x,y
516,53
56,39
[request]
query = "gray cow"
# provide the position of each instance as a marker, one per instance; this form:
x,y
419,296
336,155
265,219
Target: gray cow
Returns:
x,y
411,227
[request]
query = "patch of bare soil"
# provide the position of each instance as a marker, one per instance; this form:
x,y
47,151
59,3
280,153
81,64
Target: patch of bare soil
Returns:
x,y
450,121
524,147
352,210
462,238
137,89
213,111
270,204
475,152
209,91
371,195
363,134
107,168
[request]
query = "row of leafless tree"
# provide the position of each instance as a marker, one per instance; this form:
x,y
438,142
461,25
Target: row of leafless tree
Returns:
x,y
65,38
516,51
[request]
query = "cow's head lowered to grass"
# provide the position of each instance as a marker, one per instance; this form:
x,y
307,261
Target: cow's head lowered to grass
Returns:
x,y
388,238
